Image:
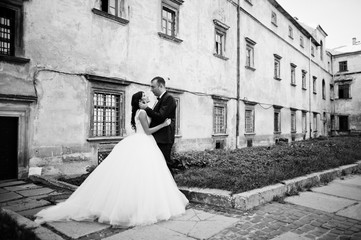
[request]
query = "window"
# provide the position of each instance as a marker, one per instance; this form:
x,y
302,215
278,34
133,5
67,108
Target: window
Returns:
x,y
343,91
107,111
332,94
170,20
220,38
315,122
314,85
293,121
293,74
277,67
313,51
250,53
249,119
301,41
321,50
7,31
114,7
219,117
274,19
304,73
323,89
304,122
290,32
343,121
342,66
277,120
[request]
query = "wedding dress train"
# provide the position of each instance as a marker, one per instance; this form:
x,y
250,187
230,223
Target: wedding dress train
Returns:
x,y
132,186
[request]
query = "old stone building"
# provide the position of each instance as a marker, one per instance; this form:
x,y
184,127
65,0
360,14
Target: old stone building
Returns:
x,y
244,73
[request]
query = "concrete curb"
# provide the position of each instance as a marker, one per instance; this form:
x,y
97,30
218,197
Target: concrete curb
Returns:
x,y
256,197
41,232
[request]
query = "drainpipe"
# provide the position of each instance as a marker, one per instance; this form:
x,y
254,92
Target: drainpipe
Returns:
x,y
309,86
238,73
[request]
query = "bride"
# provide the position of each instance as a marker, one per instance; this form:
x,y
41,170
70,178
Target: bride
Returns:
x,y
132,186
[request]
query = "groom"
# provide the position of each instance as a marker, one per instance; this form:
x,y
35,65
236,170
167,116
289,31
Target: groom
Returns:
x,y
164,108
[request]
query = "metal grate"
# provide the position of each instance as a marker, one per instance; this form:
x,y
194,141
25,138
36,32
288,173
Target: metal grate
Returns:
x,y
102,155
7,29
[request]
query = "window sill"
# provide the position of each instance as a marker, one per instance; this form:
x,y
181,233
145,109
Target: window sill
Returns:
x,y
344,98
290,37
249,134
13,59
293,132
170,38
303,88
250,68
104,139
293,85
277,133
220,56
277,78
111,17
220,135
315,93
331,99
177,136
249,2
275,24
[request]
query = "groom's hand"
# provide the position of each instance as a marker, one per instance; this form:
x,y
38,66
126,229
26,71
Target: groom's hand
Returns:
x,y
143,105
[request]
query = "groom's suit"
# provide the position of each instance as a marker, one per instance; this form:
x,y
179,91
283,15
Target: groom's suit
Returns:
x,y
164,108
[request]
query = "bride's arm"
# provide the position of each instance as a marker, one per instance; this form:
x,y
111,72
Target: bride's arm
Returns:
x,y
144,121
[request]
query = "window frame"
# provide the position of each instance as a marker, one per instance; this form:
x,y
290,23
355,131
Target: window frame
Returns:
x,y
249,108
119,16
304,122
220,29
290,32
347,91
174,6
250,44
323,89
315,122
314,85
274,18
304,79
293,121
217,103
277,112
277,71
312,51
293,74
342,66
302,44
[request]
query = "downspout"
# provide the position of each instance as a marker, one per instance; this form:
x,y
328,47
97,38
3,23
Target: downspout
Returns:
x,y
309,85
238,74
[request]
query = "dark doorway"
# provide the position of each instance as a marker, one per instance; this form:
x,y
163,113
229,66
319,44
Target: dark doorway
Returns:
x,y
343,123
8,148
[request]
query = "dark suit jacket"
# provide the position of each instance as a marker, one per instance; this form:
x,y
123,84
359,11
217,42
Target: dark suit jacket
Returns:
x,y
165,108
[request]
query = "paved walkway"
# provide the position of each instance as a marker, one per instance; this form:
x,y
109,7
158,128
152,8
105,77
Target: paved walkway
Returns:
x,y
328,212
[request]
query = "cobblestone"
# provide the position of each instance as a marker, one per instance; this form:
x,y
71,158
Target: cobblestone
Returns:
x,y
273,219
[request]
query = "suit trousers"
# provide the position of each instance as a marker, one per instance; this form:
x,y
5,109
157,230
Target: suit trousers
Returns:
x,y
166,149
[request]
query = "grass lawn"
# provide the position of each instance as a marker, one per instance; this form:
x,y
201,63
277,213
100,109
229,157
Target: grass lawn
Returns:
x,y
245,169
249,168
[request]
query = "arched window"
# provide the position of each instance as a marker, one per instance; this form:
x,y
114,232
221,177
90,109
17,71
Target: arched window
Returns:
x,y
321,50
323,89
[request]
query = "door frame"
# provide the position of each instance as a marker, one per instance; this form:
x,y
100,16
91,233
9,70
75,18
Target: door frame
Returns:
x,y
22,113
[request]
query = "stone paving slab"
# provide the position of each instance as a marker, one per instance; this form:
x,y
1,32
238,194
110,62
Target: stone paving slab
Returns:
x,y
22,187
290,236
353,212
152,232
34,192
12,183
24,204
351,181
46,234
3,190
198,224
4,197
340,190
319,201
32,212
75,229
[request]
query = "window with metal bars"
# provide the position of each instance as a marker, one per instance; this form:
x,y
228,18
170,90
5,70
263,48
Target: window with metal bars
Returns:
x,y
219,118
249,121
293,121
107,114
277,121
7,31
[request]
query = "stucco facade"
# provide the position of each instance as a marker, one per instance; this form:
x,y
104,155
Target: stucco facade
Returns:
x,y
218,59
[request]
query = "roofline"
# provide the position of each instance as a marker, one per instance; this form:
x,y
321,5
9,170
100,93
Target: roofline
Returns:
x,y
289,17
346,53
321,29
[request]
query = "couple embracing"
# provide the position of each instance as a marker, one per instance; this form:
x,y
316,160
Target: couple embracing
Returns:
x,y
134,184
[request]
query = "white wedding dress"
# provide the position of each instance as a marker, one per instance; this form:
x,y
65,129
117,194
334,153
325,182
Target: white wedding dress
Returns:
x,y
132,186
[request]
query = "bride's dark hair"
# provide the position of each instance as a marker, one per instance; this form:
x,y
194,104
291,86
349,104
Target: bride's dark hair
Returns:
x,y
135,106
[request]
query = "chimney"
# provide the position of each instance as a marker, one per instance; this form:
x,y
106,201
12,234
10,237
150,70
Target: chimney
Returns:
x,y
354,41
